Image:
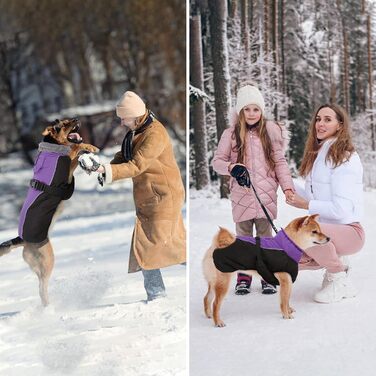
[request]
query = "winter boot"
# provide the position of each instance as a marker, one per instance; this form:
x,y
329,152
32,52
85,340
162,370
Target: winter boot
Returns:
x,y
243,284
267,288
337,287
345,261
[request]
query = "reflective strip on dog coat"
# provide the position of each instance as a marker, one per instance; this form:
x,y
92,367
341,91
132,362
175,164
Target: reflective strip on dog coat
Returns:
x,y
51,168
278,254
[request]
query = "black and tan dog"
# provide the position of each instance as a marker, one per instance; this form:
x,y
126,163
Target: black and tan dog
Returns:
x,y
274,259
52,183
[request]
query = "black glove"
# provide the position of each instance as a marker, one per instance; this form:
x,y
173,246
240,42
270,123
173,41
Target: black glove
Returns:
x,y
240,173
101,178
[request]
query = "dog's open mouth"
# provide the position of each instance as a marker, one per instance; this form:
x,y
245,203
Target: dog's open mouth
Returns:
x,y
74,136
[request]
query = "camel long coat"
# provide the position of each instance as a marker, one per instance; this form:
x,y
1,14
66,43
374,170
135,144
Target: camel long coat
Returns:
x,y
158,191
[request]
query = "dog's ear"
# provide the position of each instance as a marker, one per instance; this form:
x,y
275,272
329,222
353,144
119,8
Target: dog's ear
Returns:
x,y
313,217
50,130
306,220
309,218
300,222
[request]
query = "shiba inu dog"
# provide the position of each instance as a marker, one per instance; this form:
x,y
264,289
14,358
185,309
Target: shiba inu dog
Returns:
x,y
52,183
274,259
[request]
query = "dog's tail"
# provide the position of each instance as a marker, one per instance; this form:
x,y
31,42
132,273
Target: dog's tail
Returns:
x,y
224,238
7,246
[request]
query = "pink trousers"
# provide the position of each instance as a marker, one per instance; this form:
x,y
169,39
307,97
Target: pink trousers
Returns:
x,y
344,240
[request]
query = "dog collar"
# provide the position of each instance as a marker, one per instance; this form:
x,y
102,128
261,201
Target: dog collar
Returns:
x,y
53,148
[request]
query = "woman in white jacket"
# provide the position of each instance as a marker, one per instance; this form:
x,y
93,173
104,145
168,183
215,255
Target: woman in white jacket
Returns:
x,y
333,189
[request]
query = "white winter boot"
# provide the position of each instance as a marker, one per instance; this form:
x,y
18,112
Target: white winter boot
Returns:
x,y
345,261
337,287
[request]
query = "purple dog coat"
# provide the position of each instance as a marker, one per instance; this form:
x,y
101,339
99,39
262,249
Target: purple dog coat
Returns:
x,y
266,255
51,168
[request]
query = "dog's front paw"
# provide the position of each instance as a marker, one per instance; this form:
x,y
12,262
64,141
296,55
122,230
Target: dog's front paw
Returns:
x,y
291,310
219,324
288,315
91,148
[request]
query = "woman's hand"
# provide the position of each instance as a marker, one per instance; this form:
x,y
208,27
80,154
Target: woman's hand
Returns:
x,y
289,193
297,201
101,169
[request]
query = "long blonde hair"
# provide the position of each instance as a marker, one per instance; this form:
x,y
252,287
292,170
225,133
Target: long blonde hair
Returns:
x,y
341,149
241,129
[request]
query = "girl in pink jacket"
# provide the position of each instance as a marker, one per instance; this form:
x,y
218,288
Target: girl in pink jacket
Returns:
x,y
257,144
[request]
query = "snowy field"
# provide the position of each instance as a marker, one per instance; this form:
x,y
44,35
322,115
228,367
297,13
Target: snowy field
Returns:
x,y
98,322
324,340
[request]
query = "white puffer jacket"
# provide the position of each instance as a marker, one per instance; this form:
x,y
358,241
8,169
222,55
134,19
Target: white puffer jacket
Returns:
x,y
336,194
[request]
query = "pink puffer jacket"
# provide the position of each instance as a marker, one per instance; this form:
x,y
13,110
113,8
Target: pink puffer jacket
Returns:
x,y
244,203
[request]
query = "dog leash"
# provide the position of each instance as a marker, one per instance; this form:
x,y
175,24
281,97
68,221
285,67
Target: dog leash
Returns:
x,y
262,205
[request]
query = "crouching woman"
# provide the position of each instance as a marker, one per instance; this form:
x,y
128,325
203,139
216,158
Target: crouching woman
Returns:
x,y
333,189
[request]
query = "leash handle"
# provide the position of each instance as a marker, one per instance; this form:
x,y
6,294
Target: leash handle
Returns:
x,y
262,206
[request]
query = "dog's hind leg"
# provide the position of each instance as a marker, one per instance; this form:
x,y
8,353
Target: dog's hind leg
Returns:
x,y
220,288
208,301
41,261
285,282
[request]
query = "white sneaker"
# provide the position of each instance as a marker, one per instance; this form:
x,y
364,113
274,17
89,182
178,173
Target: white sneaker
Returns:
x,y
337,287
345,261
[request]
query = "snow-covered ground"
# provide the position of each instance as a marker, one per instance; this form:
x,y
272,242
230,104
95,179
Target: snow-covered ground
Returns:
x,y
98,322
325,340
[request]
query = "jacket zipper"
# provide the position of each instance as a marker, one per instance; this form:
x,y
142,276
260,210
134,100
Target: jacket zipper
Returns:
x,y
252,167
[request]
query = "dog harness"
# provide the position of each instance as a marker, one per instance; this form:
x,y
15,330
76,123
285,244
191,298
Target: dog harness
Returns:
x,y
48,188
266,255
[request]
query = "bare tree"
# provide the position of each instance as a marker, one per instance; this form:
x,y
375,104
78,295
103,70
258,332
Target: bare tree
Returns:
x,y
221,75
275,51
266,26
370,83
198,105
245,27
345,55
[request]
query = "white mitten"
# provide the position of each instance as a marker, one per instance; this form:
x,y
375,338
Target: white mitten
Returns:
x,y
89,162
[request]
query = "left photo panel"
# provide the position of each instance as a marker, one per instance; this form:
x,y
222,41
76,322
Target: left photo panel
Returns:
x,y
93,188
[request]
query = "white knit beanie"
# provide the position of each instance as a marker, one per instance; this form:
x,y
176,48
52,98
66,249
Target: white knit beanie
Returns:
x,y
249,95
130,105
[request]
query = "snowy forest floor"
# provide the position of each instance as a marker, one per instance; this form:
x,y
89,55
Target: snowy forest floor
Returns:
x,y
98,322
325,340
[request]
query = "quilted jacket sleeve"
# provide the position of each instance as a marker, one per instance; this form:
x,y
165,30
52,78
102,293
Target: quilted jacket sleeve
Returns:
x,y
221,160
347,192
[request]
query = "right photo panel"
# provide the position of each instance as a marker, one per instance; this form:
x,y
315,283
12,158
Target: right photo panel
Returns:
x,y
282,187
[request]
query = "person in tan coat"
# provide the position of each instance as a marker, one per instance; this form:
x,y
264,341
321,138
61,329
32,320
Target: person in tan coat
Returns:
x,y
147,157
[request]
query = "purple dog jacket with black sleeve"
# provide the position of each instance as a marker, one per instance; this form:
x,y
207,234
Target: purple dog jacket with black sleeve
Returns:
x,y
266,255
51,171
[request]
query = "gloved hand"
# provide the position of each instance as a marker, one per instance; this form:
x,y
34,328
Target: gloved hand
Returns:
x,y
89,162
241,174
101,179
